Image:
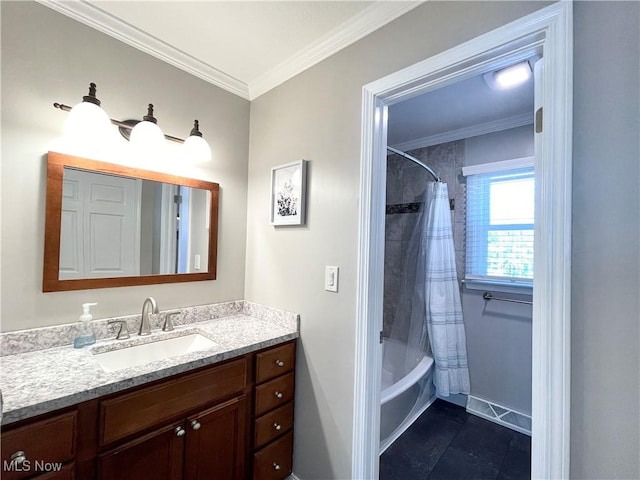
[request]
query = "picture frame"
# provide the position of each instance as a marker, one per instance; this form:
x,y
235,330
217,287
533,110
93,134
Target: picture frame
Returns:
x,y
288,193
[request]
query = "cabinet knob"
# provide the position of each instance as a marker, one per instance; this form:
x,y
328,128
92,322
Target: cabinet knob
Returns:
x,y
18,458
276,466
277,426
195,425
278,394
280,363
180,431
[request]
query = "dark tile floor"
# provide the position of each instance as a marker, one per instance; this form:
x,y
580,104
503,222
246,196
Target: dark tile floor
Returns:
x,y
447,443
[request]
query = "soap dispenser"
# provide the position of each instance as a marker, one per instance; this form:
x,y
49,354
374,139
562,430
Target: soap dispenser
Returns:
x,y
85,334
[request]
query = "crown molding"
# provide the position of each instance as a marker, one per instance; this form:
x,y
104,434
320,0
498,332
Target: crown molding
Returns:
x,y
467,132
104,22
370,19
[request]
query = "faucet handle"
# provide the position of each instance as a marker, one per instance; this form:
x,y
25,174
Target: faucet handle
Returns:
x,y
168,323
123,331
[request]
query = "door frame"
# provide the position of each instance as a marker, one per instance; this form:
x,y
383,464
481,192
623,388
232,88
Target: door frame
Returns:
x,y
551,30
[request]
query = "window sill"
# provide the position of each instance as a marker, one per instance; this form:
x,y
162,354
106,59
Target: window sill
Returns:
x,y
502,287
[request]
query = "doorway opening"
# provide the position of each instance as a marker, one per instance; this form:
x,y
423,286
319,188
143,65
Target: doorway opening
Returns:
x,y
458,274
546,32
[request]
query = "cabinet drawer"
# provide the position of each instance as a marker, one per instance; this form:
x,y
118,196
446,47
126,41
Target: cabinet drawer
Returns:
x,y
133,412
273,424
274,393
274,462
275,362
47,441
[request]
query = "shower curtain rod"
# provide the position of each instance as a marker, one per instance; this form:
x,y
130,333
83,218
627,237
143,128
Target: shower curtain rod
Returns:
x,y
414,160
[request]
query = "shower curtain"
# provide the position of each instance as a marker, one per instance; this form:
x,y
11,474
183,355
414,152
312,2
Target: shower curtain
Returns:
x,y
429,312
442,296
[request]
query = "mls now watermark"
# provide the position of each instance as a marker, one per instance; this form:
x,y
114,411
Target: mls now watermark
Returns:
x,y
37,466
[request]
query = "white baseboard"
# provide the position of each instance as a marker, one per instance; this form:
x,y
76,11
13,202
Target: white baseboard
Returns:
x,y
292,477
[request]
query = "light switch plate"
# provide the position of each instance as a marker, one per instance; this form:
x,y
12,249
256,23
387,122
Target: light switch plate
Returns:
x,y
331,278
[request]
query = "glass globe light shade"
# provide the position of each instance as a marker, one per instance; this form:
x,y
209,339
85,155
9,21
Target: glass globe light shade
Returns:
x,y
87,123
146,136
196,149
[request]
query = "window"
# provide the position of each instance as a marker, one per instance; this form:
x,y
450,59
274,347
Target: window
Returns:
x,y
500,216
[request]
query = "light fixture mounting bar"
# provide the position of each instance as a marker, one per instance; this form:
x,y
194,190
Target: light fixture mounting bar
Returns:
x,y
126,125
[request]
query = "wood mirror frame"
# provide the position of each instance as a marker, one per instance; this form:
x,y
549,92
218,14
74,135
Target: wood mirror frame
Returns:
x,y
56,162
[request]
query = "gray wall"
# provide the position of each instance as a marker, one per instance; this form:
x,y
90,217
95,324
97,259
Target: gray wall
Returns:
x,y
605,378
316,116
499,333
46,58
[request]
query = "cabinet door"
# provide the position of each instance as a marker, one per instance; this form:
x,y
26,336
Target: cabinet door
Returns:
x,y
158,455
216,442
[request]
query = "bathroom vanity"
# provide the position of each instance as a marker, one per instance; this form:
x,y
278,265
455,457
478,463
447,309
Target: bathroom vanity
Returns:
x,y
226,413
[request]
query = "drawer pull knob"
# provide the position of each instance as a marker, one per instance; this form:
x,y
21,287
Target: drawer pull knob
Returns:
x,y
277,426
280,363
278,394
195,425
276,466
180,431
18,458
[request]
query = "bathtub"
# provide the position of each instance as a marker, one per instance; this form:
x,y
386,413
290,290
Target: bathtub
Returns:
x,y
404,397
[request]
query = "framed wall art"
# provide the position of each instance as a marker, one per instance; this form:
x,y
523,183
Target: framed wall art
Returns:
x,y
288,193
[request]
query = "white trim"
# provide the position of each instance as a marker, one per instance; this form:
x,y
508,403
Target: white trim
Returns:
x,y
467,132
551,30
497,166
502,287
104,22
370,19
373,17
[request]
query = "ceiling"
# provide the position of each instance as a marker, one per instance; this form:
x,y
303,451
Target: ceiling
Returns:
x,y
250,47
246,47
461,110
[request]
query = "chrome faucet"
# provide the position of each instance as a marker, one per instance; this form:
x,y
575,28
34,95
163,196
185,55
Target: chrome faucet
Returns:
x,y
145,328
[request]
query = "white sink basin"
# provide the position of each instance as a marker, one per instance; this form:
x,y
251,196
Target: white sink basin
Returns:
x,y
150,352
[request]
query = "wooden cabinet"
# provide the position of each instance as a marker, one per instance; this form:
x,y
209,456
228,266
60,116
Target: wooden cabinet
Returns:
x,y
158,454
44,448
228,421
206,445
206,441
272,440
125,414
216,442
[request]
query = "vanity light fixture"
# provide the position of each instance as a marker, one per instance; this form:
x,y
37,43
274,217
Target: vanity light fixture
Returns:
x,y
87,122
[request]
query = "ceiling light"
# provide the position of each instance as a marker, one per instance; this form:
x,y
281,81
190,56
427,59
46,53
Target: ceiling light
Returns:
x,y
508,77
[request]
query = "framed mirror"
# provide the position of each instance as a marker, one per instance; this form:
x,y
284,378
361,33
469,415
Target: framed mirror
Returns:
x,y
109,225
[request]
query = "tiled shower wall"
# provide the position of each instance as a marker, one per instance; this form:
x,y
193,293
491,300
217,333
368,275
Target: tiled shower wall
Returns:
x,y
406,183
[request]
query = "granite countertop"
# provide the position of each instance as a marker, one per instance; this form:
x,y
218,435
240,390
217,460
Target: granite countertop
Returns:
x,y
40,381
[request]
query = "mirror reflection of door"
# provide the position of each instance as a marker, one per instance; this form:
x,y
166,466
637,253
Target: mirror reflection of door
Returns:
x,y
100,234
115,226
